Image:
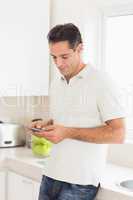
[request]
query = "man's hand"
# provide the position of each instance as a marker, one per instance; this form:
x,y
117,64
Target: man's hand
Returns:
x,y
54,133
39,123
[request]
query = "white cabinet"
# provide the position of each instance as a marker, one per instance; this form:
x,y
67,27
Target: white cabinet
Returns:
x,y
20,187
24,56
36,190
2,185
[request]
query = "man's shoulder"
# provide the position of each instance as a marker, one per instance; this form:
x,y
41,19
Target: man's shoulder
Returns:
x,y
101,79
97,74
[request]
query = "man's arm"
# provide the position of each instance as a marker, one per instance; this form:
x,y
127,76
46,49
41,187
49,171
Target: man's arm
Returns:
x,y
112,132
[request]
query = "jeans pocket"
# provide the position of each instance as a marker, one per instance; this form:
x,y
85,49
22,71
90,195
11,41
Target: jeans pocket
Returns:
x,y
85,191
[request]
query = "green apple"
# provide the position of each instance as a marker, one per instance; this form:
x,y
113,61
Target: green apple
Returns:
x,y
41,150
41,146
40,140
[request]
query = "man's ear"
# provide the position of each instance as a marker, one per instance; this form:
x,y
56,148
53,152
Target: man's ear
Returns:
x,y
80,48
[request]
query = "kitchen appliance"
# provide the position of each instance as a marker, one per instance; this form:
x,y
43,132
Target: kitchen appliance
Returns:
x,y
12,134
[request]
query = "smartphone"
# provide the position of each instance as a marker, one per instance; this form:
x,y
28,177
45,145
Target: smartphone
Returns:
x,y
37,129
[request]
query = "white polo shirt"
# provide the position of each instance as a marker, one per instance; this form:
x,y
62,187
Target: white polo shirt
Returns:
x,y
89,100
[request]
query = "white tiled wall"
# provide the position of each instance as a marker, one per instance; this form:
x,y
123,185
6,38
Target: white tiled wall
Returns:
x,y
23,109
121,154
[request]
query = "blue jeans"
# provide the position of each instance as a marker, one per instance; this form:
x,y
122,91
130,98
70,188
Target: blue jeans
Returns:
x,y
51,189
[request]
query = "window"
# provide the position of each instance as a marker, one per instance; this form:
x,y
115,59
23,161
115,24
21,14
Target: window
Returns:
x,y
118,57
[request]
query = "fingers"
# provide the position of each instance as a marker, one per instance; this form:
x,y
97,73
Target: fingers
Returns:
x,y
37,124
40,123
44,134
37,134
50,122
47,122
49,127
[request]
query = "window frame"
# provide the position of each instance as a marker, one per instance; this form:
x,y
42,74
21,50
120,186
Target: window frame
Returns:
x,y
113,11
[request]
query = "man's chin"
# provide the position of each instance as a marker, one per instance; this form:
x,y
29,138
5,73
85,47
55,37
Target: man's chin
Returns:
x,y
64,73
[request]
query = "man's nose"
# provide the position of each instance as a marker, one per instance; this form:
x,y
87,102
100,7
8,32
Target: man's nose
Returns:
x,y
59,62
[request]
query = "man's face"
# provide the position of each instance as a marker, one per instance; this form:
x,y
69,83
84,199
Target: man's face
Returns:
x,y
65,58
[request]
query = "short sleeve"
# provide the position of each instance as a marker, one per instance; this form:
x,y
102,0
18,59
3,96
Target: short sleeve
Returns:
x,y
109,99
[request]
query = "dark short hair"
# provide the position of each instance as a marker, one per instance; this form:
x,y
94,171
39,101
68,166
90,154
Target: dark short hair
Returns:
x,y
65,32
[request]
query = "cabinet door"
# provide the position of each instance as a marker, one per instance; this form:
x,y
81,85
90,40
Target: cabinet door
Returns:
x,y
36,190
2,185
24,57
20,187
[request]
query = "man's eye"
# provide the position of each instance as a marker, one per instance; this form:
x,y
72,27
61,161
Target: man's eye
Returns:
x,y
65,57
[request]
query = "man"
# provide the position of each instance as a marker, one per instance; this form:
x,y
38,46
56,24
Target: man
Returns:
x,y
87,116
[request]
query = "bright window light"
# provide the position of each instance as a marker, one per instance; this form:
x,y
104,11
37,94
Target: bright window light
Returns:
x,y
119,58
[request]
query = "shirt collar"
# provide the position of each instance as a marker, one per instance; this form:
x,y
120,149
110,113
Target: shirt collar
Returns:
x,y
82,74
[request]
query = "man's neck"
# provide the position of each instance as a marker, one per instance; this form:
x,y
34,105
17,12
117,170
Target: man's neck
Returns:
x,y
81,66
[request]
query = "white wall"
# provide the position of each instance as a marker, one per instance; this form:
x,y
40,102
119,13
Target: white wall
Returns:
x,y
113,2
121,154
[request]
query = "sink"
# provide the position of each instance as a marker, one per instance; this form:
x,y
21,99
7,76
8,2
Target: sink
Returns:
x,y
127,184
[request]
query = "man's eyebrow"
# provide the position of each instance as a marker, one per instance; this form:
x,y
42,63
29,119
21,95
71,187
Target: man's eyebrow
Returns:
x,y
52,55
66,54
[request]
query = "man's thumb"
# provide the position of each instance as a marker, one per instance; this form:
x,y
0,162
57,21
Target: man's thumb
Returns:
x,y
48,128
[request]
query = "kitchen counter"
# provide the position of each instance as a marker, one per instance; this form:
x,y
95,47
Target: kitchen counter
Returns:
x,y
22,161
113,175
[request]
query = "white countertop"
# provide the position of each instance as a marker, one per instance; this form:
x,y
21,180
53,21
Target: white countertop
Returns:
x,y
22,161
113,175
